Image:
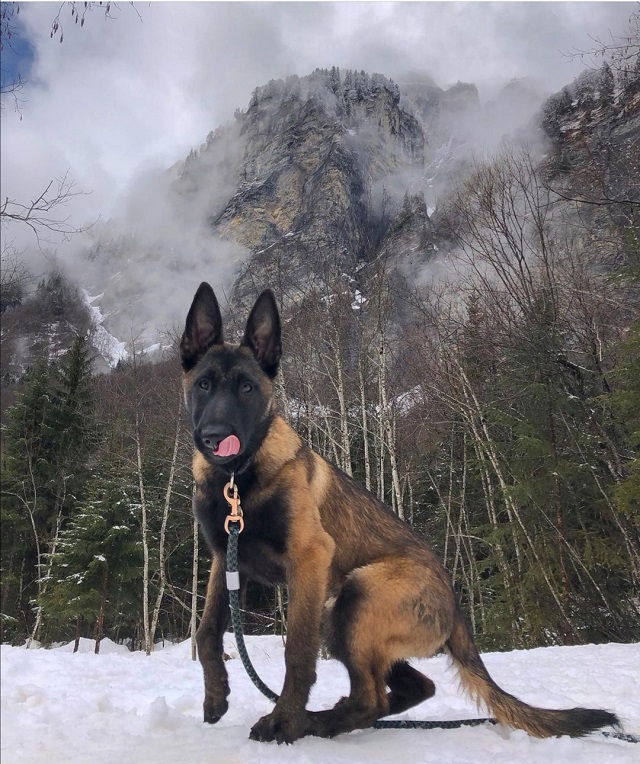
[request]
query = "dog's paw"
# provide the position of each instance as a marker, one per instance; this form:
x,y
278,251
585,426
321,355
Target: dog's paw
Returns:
x,y
214,709
276,726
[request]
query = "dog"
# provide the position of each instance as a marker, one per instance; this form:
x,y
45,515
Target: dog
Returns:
x,y
356,574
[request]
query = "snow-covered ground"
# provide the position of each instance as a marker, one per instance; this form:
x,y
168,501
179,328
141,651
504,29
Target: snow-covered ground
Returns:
x,y
125,708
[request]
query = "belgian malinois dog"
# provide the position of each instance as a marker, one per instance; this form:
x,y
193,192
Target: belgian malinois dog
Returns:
x,y
356,573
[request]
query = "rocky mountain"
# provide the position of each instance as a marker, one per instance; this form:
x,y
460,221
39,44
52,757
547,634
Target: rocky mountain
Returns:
x,y
340,168
325,161
594,128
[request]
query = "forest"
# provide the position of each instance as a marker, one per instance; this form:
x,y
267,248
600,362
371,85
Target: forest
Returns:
x,y
491,398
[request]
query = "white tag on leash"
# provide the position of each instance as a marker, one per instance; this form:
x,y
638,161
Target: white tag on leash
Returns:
x,y
233,580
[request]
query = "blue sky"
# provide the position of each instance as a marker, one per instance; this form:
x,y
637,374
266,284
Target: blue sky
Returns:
x,y
17,54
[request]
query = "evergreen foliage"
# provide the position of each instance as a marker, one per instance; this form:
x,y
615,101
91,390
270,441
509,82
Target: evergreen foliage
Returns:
x,y
98,560
49,438
347,88
25,518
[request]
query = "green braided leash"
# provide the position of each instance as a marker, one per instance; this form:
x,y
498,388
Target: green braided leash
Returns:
x,y
233,580
233,585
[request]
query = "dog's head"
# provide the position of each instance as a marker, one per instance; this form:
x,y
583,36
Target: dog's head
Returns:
x,y
229,388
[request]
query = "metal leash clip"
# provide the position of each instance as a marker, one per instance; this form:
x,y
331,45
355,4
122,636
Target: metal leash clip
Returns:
x,y
234,502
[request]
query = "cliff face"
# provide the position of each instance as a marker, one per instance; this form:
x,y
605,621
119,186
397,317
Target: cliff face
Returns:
x,y
594,128
298,176
313,166
321,169
340,171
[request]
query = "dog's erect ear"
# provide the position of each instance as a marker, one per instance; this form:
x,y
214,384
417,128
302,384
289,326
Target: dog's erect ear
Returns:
x,y
262,334
203,328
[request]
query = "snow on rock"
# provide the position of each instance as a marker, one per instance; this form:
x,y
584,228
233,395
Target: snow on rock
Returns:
x,y
111,349
65,708
406,401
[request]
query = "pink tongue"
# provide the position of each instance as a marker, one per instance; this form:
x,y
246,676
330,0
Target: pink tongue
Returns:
x,y
228,447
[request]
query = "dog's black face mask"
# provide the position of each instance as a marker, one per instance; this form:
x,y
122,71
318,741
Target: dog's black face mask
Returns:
x,y
228,389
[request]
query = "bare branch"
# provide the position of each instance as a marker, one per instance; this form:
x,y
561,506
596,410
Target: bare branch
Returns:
x,y
14,277
79,12
621,52
43,213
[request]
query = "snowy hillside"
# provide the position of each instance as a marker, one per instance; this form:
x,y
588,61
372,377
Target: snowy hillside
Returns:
x,y
123,708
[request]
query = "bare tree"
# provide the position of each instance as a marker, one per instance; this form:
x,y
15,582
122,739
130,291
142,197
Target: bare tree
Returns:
x,y
162,570
620,51
14,277
45,213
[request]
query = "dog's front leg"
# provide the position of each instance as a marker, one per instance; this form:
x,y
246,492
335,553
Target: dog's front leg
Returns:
x,y
209,636
307,578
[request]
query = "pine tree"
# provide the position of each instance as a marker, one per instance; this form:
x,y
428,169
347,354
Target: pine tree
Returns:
x,y
626,404
49,439
26,475
97,563
73,420
607,87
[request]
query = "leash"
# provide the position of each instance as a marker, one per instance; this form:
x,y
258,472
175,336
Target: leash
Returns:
x,y
233,525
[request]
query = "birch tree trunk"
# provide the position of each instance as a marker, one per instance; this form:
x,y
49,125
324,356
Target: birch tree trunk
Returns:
x,y
388,433
146,625
163,528
42,585
381,476
194,591
345,441
365,427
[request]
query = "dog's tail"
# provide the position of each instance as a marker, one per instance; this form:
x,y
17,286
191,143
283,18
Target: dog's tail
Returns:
x,y
507,709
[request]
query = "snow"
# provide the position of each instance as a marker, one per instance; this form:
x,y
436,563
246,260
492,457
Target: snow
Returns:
x,y
64,708
406,401
358,300
110,348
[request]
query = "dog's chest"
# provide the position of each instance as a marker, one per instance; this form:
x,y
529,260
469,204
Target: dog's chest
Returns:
x,y
262,544
260,562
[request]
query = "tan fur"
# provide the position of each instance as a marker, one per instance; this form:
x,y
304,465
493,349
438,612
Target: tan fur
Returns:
x,y
280,447
321,479
200,467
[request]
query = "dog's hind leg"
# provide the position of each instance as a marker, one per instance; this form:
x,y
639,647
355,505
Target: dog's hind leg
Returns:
x,y
367,667
408,687
366,703
385,613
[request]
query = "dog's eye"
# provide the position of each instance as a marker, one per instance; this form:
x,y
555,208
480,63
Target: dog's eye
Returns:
x,y
204,384
246,387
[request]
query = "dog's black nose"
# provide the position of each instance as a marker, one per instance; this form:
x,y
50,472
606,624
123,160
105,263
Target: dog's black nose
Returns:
x,y
212,435
220,441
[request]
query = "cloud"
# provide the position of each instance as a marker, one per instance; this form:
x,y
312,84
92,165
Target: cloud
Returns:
x,y
123,96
